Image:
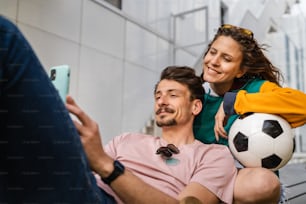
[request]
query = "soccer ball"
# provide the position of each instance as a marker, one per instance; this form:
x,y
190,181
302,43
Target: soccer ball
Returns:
x,y
261,140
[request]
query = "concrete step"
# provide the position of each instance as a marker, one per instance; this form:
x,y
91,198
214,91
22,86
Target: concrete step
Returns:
x,y
293,176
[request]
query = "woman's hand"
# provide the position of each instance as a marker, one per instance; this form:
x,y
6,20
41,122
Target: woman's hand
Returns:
x,y
219,123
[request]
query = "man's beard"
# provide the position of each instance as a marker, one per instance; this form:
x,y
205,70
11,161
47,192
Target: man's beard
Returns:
x,y
170,122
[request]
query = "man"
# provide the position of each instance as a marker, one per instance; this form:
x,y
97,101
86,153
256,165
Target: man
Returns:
x,y
43,160
185,166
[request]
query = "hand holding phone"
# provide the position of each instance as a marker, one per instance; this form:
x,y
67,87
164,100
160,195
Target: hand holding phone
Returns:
x,y
60,77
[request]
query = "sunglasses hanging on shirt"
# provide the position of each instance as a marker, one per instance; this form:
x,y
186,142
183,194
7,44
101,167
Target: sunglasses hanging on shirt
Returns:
x,y
167,151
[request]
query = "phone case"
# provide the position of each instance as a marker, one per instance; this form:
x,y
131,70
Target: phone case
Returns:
x,y
60,77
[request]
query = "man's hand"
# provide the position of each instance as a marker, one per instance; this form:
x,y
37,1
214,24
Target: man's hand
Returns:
x,y
90,137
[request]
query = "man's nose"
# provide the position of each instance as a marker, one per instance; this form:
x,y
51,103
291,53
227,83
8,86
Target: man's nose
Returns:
x,y
162,100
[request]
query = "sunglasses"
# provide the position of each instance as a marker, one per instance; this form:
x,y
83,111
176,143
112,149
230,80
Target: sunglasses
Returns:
x,y
244,31
168,151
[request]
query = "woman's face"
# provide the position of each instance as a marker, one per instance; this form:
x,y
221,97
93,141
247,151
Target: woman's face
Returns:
x,y
221,65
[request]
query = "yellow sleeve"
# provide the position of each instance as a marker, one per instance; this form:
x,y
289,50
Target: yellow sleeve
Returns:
x,y
286,102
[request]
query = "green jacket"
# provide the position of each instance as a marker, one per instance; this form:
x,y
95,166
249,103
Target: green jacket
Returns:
x,y
203,126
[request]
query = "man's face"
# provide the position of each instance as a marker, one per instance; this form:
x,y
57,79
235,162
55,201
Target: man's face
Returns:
x,y
172,104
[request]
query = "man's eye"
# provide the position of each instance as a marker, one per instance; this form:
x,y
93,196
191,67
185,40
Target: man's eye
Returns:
x,y
212,52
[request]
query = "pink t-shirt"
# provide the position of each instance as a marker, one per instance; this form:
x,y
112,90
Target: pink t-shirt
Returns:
x,y
209,165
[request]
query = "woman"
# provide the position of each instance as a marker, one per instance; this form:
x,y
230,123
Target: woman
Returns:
x,y
239,78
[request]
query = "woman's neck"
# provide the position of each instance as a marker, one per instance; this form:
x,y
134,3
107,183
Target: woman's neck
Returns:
x,y
219,88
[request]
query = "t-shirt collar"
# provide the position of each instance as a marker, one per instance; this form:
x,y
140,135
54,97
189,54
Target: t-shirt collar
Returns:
x,y
209,90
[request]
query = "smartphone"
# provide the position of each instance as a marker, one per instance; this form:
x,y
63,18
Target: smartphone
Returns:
x,y
60,77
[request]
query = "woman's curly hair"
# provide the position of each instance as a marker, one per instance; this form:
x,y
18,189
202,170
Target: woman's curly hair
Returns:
x,y
255,62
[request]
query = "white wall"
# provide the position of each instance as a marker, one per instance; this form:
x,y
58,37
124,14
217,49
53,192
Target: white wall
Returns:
x,y
115,61
91,39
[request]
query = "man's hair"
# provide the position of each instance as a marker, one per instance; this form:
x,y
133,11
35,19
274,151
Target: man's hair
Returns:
x,y
186,76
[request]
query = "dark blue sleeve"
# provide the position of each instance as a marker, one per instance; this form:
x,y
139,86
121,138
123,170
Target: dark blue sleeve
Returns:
x,y
228,103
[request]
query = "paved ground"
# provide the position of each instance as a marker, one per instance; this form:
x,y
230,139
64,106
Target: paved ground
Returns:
x,y
294,177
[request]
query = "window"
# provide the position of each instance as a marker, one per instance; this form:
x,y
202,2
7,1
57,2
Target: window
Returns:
x,y
116,3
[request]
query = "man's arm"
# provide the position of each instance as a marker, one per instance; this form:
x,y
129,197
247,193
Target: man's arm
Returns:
x,y
131,189
200,192
127,186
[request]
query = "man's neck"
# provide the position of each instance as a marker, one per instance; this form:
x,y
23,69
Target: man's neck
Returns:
x,y
178,135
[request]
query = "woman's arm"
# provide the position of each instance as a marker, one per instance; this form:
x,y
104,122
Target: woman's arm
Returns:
x,y
286,102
